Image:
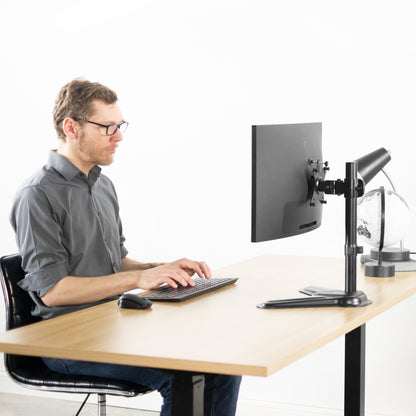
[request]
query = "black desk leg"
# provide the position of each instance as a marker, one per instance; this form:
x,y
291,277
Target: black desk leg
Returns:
x,y
188,395
354,372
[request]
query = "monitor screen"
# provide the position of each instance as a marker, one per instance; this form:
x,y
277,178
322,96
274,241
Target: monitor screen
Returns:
x,y
286,160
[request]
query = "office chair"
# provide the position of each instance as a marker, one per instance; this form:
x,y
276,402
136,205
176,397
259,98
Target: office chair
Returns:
x,y
31,372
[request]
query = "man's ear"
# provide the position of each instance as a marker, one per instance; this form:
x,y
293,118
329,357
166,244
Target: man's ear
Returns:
x,y
71,128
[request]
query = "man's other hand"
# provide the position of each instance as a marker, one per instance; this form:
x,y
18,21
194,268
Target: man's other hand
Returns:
x,y
177,273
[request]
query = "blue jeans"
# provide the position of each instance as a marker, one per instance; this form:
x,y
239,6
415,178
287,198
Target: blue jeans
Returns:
x,y
220,392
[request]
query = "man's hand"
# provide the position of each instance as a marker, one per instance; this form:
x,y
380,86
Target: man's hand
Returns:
x,y
192,267
179,272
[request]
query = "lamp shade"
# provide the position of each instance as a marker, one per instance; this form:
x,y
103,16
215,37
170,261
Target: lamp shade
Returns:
x,y
369,165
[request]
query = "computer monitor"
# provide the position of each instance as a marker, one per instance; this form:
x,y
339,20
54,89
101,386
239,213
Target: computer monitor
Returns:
x,y
286,164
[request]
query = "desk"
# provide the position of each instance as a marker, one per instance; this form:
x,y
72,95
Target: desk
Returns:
x,y
224,332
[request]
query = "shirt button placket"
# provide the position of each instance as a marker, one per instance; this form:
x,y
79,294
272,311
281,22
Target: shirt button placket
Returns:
x,y
100,221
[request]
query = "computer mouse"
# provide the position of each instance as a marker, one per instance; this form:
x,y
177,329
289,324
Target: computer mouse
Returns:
x,y
131,301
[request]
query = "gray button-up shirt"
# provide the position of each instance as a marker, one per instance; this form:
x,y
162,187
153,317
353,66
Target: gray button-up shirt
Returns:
x,y
66,224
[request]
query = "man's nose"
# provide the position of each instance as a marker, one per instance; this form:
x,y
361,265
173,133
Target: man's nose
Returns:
x,y
117,136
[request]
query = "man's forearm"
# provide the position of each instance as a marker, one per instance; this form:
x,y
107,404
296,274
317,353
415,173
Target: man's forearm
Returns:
x,y
129,265
74,290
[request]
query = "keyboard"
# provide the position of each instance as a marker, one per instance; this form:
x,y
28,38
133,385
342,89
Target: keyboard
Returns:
x,y
202,286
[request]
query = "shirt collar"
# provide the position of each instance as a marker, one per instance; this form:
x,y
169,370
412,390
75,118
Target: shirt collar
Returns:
x,y
69,170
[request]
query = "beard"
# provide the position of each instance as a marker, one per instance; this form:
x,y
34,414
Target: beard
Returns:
x,y
92,153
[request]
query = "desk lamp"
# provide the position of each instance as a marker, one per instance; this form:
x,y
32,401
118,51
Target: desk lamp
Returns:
x,y
351,187
383,219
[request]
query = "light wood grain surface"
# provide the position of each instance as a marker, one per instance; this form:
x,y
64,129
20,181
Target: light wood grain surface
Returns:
x,y
221,332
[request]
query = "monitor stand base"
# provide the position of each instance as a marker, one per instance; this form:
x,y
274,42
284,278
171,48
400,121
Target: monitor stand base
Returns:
x,y
320,297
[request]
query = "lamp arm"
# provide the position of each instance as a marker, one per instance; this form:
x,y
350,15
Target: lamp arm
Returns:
x,y
394,189
389,179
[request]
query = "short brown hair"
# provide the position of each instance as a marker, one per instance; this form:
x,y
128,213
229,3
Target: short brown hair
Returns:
x,y
75,101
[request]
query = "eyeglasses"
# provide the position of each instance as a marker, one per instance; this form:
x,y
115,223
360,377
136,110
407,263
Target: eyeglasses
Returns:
x,y
111,129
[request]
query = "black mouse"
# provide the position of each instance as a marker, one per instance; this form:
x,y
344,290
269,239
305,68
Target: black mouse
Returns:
x,y
131,301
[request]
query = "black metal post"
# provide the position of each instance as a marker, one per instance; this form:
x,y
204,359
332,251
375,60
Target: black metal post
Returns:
x,y
354,388
350,193
188,394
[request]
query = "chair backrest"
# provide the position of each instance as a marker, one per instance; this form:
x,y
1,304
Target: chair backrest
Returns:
x,y
18,313
18,302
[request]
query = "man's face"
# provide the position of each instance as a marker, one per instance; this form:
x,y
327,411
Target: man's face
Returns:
x,y
95,147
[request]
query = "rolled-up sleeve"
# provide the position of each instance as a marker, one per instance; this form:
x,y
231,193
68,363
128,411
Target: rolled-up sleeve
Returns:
x,y
38,234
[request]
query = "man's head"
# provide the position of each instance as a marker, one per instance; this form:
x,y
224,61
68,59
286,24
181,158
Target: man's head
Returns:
x,y
89,124
75,100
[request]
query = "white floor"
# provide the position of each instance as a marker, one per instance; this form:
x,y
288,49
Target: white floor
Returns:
x,y
19,405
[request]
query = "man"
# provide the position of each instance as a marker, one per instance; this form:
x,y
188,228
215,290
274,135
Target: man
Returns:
x,y
69,233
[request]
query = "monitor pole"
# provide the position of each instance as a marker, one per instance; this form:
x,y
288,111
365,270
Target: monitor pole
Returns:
x,y
353,188
351,249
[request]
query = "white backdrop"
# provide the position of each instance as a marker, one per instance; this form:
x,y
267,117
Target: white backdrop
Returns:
x,y
192,77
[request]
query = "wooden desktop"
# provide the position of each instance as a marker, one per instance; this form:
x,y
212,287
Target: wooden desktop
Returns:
x,y
224,332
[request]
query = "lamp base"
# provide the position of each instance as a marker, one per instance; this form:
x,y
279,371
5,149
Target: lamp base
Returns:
x,y
373,269
391,254
402,260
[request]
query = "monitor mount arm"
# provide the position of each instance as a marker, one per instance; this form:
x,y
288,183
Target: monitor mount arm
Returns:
x,y
351,187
